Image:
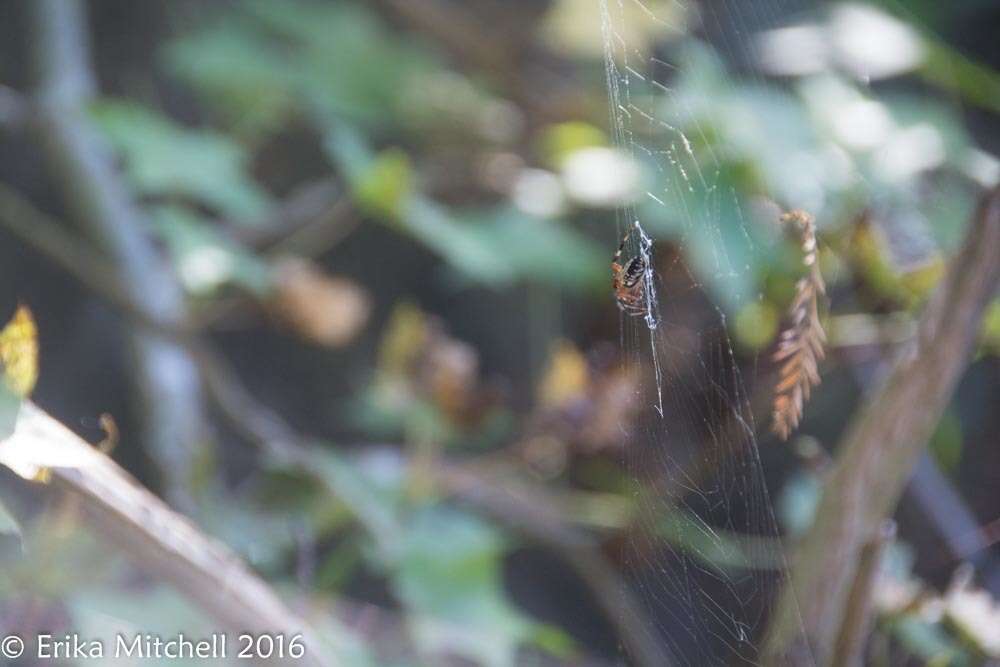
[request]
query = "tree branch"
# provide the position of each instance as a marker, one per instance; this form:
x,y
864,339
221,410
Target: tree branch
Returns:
x,y
14,108
882,446
853,635
162,542
167,380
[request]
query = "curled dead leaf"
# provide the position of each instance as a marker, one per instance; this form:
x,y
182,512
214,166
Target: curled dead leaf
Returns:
x,y
324,309
111,434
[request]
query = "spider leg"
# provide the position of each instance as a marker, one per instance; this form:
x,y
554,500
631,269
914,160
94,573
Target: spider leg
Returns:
x,y
633,304
621,246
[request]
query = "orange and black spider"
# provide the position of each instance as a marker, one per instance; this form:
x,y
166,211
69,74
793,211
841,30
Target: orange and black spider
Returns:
x,y
628,282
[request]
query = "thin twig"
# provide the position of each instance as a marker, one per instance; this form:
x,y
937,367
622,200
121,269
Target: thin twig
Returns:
x,y
75,256
310,204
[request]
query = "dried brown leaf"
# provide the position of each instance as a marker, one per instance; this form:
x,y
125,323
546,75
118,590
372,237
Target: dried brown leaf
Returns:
x,y
800,346
325,309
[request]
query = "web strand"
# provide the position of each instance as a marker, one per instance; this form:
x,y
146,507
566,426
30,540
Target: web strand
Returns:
x,y
705,556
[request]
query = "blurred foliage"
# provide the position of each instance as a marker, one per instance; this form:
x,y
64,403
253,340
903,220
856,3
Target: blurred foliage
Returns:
x,y
204,258
167,161
527,206
444,563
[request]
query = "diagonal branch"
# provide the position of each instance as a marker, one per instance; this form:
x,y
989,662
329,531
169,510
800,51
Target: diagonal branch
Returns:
x,y
162,542
882,446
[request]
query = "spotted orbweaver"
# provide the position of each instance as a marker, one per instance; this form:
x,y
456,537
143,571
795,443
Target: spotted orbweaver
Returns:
x,y
628,282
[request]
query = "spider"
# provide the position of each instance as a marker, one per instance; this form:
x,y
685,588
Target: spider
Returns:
x,y
628,282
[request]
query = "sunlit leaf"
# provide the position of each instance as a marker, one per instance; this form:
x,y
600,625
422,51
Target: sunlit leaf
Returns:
x,y
18,366
756,324
570,27
386,185
19,352
561,139
566,377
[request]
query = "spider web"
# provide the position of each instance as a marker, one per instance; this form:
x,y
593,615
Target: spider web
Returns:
x,y
706,556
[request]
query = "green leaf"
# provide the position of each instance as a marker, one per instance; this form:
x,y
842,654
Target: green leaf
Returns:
x,y
349,63
929,641
372,492
260,537
386,185
541,250
248,82
267,59
339,565
164,159
493,247
727,251
448,575
563,139
756,324
426,220
457,242
444,564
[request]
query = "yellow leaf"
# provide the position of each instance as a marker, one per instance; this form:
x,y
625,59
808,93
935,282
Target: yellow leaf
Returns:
x,y
566,378
19,352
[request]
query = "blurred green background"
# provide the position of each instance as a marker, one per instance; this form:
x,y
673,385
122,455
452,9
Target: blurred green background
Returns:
x,y
395,221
